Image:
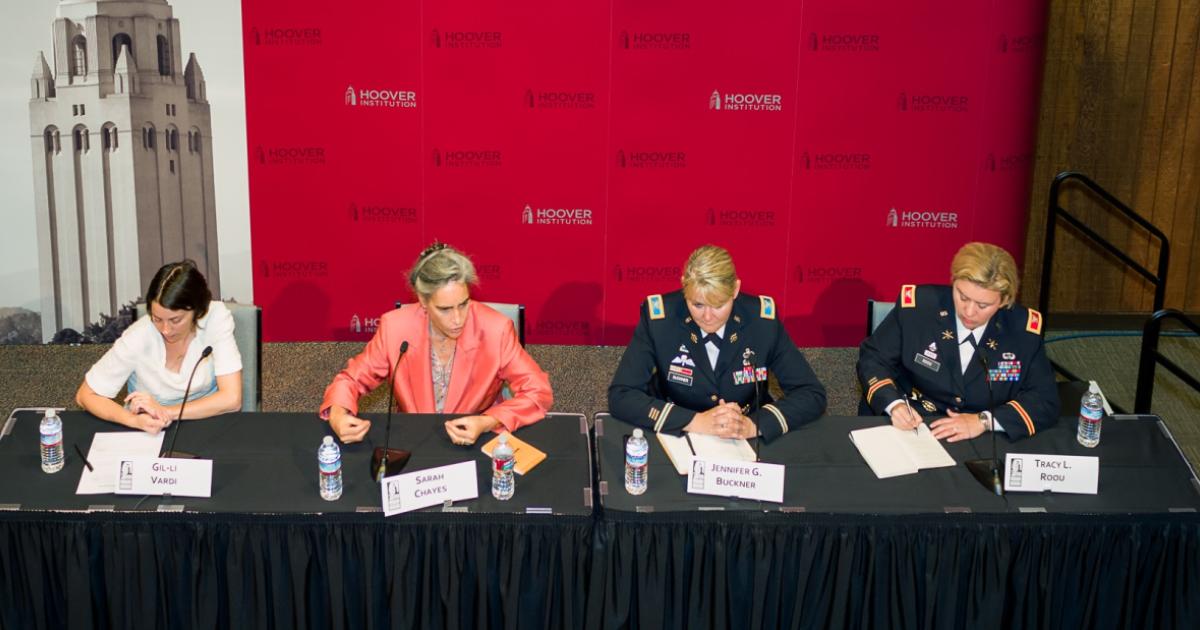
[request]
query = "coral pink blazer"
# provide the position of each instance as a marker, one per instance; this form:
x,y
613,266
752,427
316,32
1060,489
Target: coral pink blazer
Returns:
x,y
488,355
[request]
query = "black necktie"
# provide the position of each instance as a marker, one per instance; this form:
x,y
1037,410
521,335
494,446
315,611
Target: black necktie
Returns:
x,y
714,338
970,339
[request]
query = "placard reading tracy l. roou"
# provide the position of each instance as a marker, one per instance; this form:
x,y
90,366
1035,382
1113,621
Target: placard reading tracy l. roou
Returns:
x,y
1051,473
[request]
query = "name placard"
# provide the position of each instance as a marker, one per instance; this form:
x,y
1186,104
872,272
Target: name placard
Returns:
x,y
1054,473
733,478
432,486
162,475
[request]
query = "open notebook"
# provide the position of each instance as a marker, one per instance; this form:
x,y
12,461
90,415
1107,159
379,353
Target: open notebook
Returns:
x,y
681,448
891,452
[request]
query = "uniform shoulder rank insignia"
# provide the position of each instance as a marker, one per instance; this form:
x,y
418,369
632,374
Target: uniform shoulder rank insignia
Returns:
x,y
767,309
908,296
654,303
1034,325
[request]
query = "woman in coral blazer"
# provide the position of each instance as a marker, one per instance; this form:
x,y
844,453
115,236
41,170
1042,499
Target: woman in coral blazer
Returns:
x,y
460,354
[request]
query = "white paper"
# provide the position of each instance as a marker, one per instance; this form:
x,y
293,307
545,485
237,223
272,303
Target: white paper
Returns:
x,y
891,452
707,447
109,447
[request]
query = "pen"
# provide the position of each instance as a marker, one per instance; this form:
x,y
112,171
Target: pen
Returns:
x,y
85,461
917,428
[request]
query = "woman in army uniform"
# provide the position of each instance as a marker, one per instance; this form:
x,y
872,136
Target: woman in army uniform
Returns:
x,y
699,360
941,345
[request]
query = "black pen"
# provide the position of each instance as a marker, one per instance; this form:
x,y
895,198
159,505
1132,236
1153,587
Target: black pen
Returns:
x,y
85,461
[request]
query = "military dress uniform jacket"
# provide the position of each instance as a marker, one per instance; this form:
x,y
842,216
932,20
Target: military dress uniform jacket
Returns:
x,y
915,351
665,378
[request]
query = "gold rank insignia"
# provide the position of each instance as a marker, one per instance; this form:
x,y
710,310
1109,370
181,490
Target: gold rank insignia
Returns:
x,y
1034,325
733,338
737,318
695,339
767,307
654,304
872,380
908,296
991,344
947,335
943,313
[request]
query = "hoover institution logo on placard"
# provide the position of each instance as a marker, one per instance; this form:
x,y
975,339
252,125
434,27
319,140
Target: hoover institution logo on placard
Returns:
x,y
745,102
929,219
375,97
532,215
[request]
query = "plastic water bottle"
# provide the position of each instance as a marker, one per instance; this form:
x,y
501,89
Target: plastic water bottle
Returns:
x,y
329,456
502,470
1091,412
52,442
637,450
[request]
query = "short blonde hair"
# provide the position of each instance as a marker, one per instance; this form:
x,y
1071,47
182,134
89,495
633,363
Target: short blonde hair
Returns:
x,y
438,266
988,266
709,273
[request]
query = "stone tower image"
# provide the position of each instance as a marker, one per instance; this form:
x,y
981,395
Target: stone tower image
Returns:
x,y
122,161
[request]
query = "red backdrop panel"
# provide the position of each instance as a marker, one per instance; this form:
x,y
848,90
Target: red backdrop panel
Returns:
x,y
579,151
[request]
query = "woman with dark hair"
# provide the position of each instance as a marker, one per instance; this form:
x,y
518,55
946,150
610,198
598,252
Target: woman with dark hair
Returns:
x,y
156,354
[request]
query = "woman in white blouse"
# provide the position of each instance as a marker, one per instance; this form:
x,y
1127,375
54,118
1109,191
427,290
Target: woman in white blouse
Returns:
x,y
156,354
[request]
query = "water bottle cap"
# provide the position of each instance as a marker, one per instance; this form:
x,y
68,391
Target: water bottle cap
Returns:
x,y
504,438
328,440
1094,388
637,433
50,413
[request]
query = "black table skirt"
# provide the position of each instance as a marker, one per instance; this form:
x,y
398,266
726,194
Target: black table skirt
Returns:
x,y
756,570
333,571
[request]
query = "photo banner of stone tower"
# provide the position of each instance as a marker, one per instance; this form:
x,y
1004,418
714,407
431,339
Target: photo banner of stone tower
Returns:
x,y
122,159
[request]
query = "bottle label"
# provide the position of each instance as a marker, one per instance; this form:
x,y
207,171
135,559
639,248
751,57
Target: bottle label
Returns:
x,y
503,464
1091,414
331,468
51,439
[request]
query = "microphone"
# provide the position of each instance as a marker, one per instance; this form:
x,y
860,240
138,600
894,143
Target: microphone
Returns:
x,y
393,462
753,359
987,472
171,452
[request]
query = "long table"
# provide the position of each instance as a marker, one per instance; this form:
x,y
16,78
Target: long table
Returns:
x,y
266,551
844,549
934,549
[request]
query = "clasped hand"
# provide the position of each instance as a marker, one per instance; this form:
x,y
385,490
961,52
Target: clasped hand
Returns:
x,y
725,420
149,416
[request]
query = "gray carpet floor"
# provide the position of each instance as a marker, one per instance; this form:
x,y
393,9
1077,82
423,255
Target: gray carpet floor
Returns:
x,y
295,376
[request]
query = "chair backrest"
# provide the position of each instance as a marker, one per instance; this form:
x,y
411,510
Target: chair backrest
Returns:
x,y
247,333
876,311
515,312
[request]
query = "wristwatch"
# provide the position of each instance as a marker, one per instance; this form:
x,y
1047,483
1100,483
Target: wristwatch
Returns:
x,y
986,418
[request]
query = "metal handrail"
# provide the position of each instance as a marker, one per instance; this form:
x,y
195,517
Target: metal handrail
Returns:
x,y
1055,210
1150,357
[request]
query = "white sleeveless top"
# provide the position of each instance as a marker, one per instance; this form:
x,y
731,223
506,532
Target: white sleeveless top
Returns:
x,y
139,358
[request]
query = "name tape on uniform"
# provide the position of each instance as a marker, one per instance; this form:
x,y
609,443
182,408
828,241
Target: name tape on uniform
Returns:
x,y
164,475
732,478
1054,473
433,486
